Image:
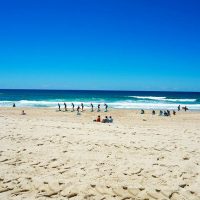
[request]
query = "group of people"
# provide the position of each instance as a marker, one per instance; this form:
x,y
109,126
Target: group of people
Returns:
x,y
167,112
185,108
81,107
104,120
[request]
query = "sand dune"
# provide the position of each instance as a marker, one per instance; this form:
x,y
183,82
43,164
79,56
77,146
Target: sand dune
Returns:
x,y
59,155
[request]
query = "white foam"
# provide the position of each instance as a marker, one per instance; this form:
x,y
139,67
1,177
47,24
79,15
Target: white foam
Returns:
x,y
128,104
148,97
163,99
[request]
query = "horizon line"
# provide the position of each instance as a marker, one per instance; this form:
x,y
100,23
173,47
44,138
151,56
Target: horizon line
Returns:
x,y
105,90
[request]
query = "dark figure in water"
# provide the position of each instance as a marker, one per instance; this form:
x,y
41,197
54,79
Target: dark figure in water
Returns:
x,y
174,112
59,107
98,110
92,107
82,106
14,105
168,113
153,112
72,107
106,107
65,105
179,108
161,112
142,112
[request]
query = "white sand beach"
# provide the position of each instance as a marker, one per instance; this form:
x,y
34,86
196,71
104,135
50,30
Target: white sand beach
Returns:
x,y
59,155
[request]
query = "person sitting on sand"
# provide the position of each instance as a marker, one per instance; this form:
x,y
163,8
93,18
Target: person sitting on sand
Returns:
x,y
153,112
14,105
165,113
23,113
110,120
59,107
92,107
142,112
98,110
105,120
98,119
174,112
65,105
161,113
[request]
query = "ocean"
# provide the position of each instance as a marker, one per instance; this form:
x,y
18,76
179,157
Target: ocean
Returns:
x,y
114,99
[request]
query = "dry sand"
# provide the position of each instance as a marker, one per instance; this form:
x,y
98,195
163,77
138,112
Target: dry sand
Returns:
x,y
47,154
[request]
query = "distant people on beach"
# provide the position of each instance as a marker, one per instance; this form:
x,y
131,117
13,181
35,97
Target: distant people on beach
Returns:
x,y
105,120
110,120
59,107
174,112
179,108
98,108
185,108
142,112
92,107
78,109
165,113
168,113
65,105
23,112
106,107
161,113
14,105
153,112
72,107
82,107
98,119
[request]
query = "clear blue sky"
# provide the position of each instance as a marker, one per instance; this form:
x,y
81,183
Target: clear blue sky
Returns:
x,y
100,44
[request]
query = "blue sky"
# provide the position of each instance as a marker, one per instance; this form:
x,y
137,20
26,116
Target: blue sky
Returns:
x,y
100,44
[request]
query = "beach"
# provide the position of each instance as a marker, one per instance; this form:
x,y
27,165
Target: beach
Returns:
x,y
61,155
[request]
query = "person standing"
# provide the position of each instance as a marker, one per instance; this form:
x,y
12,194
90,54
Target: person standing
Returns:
x,y
72,107
179,108
78,109
92,107
59,107
82,107
65,105
106,107
98,110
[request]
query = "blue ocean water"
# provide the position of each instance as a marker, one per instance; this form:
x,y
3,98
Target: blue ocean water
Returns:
x,y
114,99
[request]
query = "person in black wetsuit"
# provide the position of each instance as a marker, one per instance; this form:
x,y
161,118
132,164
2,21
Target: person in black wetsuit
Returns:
x,y
92,107
72,107
65,105
106,107
59,107
78,109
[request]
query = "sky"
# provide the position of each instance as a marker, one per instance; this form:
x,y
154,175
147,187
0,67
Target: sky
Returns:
x,y
100,44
